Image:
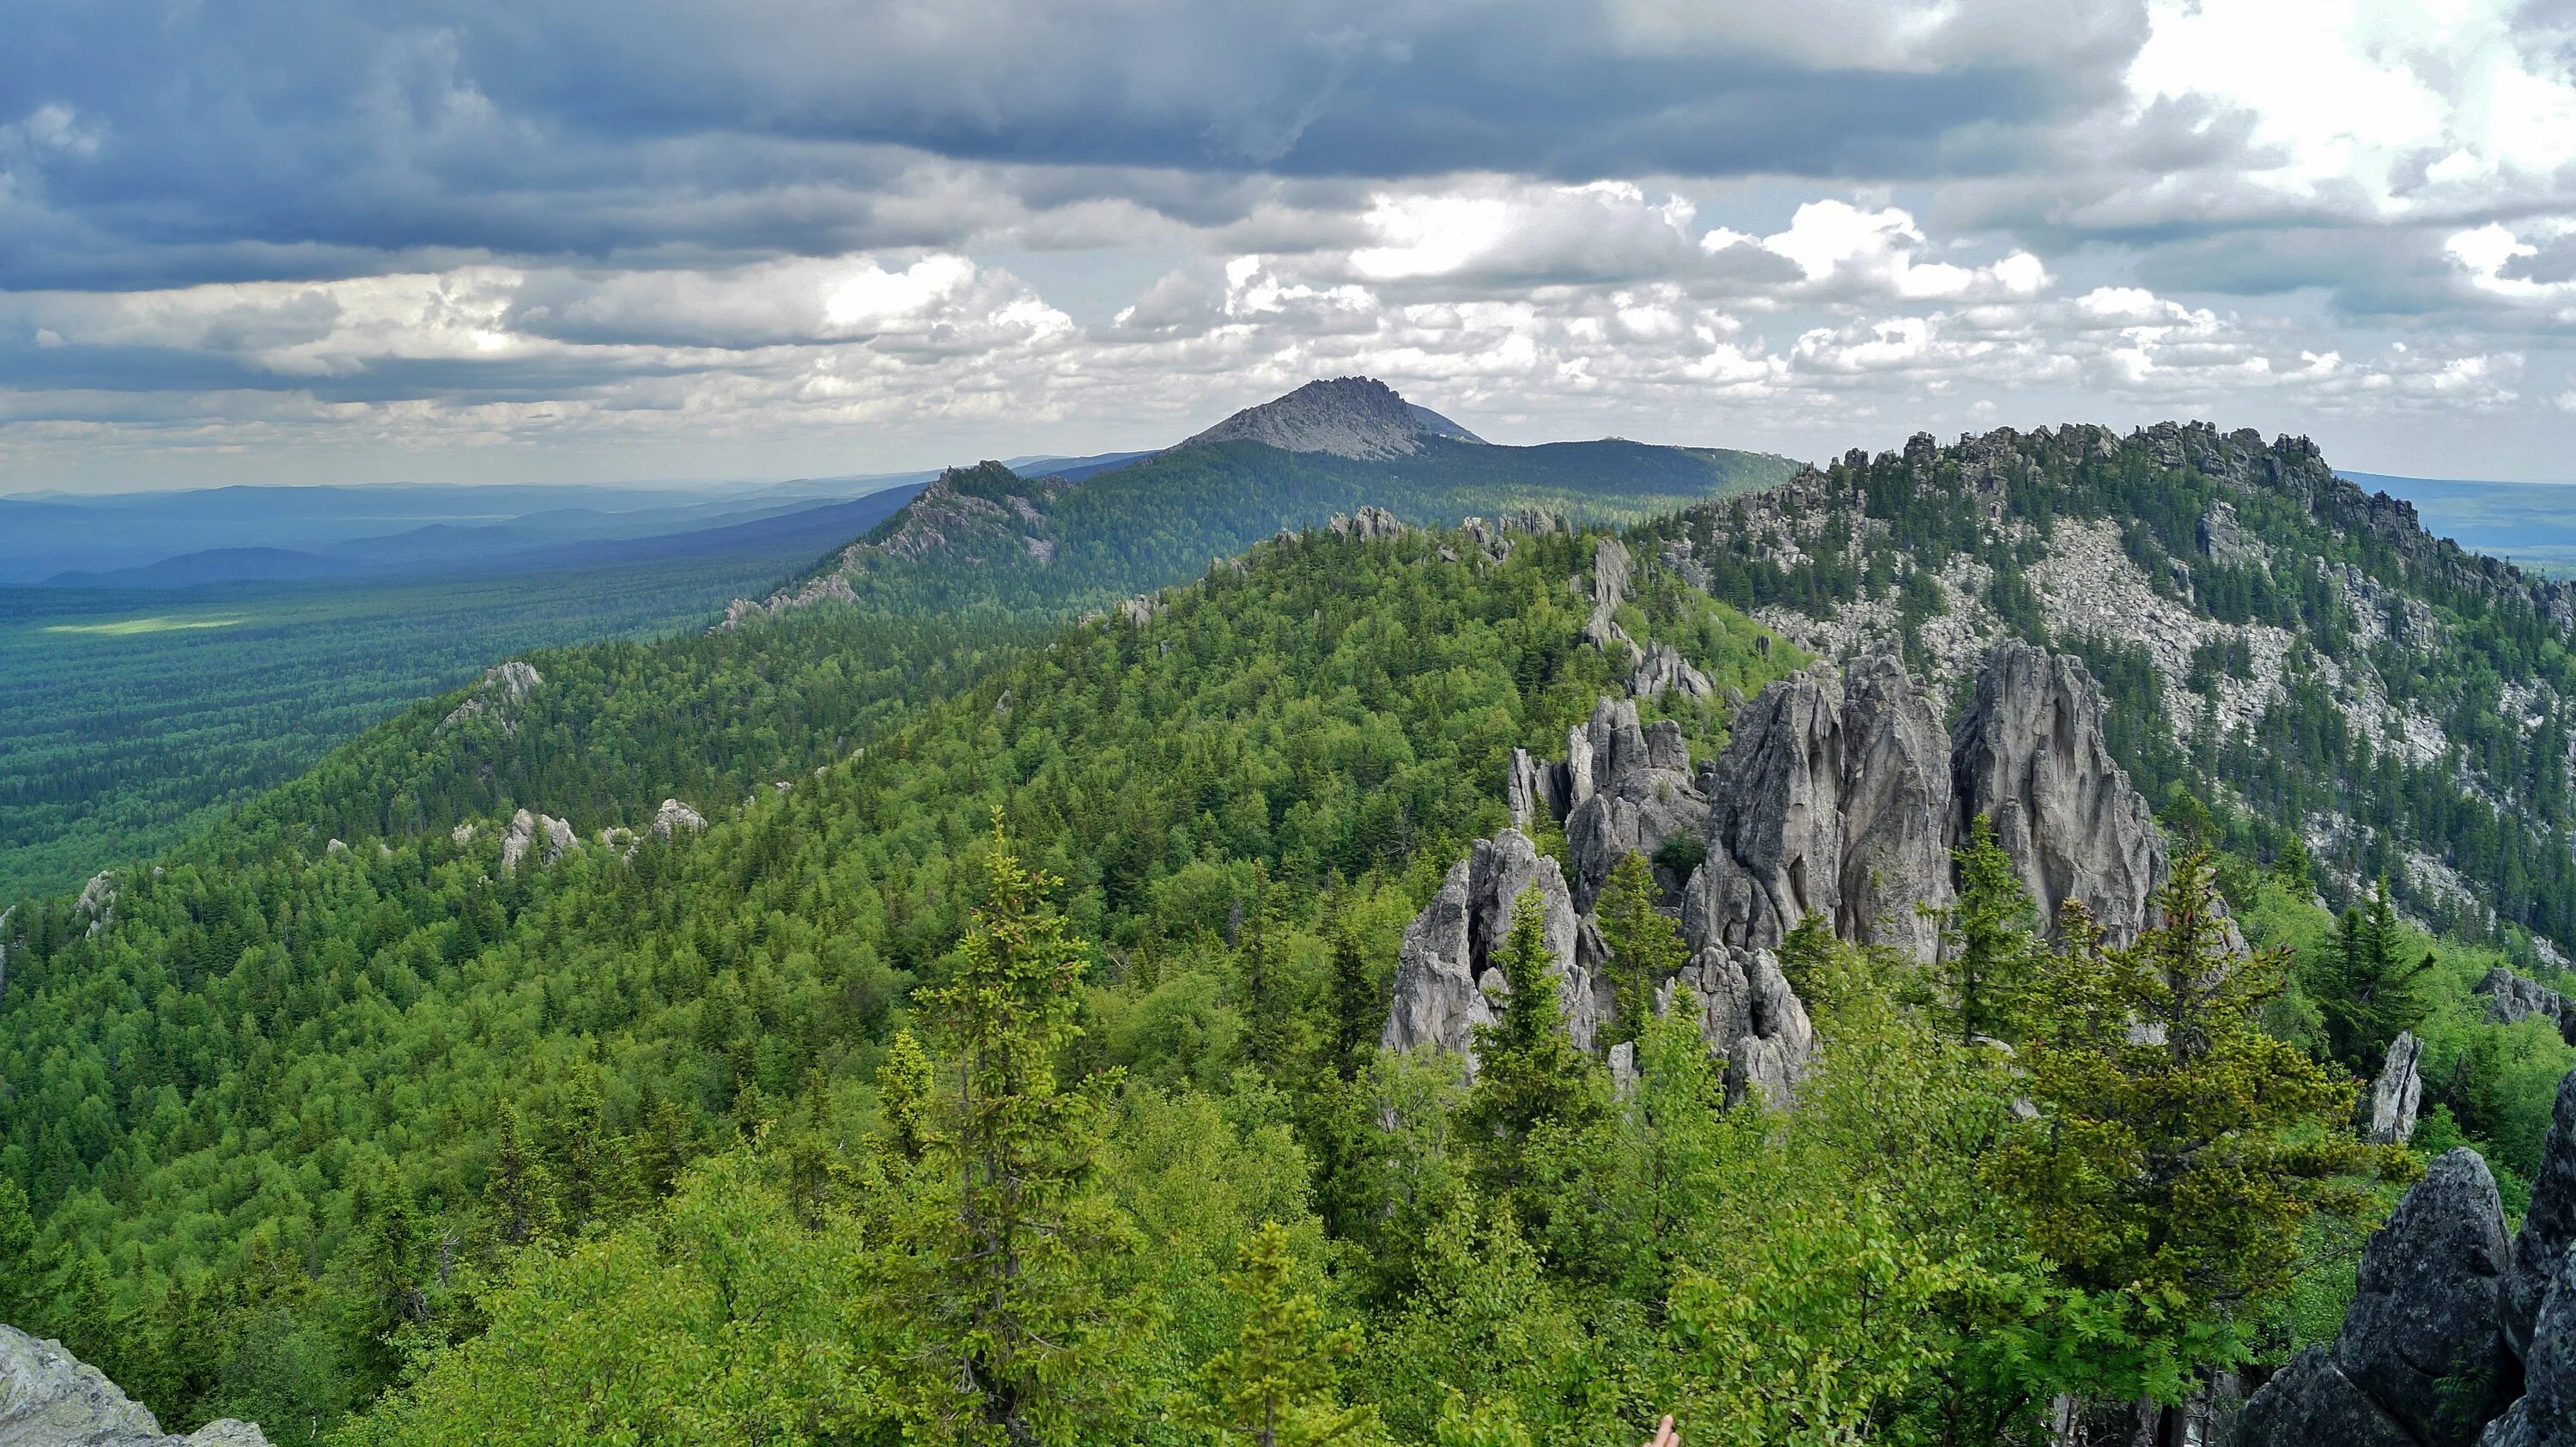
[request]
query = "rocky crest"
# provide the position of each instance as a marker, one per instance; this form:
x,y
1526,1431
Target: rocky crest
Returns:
x,y
1346,416
526,829
675,818
2454,1327
497,695
982,514
50,1398
1446,982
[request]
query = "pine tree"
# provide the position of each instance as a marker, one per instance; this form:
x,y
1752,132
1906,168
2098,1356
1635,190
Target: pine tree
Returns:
x,y
1990,947
1528,1071
1276,1385
1645,947
999,1241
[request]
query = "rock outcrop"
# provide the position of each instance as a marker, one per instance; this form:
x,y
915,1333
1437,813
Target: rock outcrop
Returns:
x,y
1366,524
50,1398
1346,416
675,818
2512,998
1630,789
1749,1014
2421,1357
2546,1414
527,829
2548,1226
1833,798
2398,1091
97,902
497,695
1610,582
2029,755
1446,982
1663,670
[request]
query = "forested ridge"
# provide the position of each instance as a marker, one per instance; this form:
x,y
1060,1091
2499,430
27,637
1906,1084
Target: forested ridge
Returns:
x,y
1000,1062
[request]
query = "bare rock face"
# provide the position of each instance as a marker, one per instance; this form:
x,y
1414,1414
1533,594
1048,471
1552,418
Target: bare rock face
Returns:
x,y
1749,1014
1610,582
1446,982
2512,998
1638,793
97,902
675,818
2548,1227
2312,1401
1896,802
1663,670
2029,754
498,694
1367,524
527,829
2422,1335
2546,1415
2398,1091
50,1398
1775,830
1833,797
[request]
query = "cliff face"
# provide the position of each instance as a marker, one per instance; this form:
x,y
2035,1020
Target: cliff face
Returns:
x,y
50,1398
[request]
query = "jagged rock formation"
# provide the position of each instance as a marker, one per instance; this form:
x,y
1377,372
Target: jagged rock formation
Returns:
x,y
1627,788
1610,584
2546,1414
2029,755
1367,524
526,829
675,818
1834,797
2420,1351
1446,983
50,1398
2511,998
1663,670
1346,416
2548,1226
97,902
1748,1014
2398,1091
497,694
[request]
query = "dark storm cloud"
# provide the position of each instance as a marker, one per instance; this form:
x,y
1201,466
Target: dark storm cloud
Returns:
x,y
158,144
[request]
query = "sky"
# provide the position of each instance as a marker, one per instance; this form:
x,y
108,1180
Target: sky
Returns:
x,y
565,240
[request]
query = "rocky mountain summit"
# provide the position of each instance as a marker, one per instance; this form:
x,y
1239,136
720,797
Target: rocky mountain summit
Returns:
x,y
1838,794
2458,1333
50,1398
1346,416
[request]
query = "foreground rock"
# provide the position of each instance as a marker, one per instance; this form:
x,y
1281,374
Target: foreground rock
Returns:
x,y
2030,755
2546,1415
2398,1091
1446,981
50,1398
2548,1227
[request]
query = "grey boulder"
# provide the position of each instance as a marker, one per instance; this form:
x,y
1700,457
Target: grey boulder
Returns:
x,y
2548,1227
2312,1401
2422,1334
50,1398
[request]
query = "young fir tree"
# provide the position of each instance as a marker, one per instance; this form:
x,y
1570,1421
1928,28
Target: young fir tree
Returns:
x,y
1990,947
1645,947
1359,1005
1001,1328
2177,1151
2364,985
1276,1385
1528,1071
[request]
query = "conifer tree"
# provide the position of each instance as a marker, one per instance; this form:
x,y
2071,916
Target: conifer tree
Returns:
x,y
1645,947
1528,1071
2177,1151
1005,1331
1990,947
1359,1006
1275,1385
906,1096
19,1269
2364,985
518,1190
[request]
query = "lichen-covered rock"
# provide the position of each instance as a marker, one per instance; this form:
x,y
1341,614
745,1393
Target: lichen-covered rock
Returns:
x,y
2422,1334
2029,755
1750,1015
1663,670
2548,1226
1896,806
2546,1414
2311,1401
1442,972
675,818
50,1398
2397,1092
1638,793
1775,829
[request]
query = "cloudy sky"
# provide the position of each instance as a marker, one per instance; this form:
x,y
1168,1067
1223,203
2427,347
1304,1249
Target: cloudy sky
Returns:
x,y
498,240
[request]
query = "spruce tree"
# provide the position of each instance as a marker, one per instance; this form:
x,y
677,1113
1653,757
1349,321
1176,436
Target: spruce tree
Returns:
x,y
1528,1071
1990,947
1645,947
1276,1385
2364,985
1003,1328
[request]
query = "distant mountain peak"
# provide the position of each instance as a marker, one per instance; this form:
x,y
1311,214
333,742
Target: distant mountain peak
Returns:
x,y
1346,416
